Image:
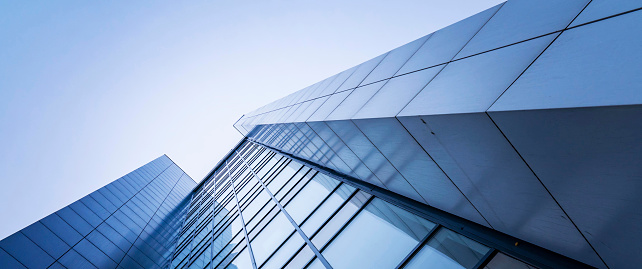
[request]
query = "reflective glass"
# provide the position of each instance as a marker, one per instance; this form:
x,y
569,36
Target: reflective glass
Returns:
x,y
285,252
326,209
503,261
448,250
301,259
381,236
310,197
271,237
283,177
242,261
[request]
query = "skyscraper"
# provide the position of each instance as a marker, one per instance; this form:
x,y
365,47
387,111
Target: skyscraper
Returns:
x,y
510,139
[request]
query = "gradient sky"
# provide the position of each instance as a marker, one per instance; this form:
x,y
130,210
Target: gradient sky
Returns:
x,y
91,90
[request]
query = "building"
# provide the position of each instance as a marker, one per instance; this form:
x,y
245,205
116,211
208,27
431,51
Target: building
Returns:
x,y
510,139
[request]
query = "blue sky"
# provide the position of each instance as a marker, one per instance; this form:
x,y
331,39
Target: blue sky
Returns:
x,y
91,90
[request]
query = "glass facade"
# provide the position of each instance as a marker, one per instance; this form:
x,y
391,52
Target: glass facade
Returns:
x,y
132,222
502,141
263,209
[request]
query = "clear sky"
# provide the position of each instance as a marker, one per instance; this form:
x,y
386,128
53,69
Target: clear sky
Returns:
x,y
91,90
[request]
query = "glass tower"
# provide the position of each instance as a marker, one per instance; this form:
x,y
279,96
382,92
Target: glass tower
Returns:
x,y
510,139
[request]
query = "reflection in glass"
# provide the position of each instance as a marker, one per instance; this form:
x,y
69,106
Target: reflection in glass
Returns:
x,y
328,207
448,250
503,261
271,237
381,236
310,197
242,261
285,252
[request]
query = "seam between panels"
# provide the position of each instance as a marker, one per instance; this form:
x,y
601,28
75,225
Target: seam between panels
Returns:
x,y
176,244
238,207
494,239
358,85
547,190
344,143
287,215
472,55
103,221
152,217
444,172
559,33
451,60
520,155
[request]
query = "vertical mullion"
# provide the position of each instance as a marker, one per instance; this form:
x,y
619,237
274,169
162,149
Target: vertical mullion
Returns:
x,y
238,207
298,229
418,247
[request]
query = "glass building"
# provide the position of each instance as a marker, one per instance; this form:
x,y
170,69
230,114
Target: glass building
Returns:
x,y
510,139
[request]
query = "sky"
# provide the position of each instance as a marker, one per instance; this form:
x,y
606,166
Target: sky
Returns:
x,y
91,90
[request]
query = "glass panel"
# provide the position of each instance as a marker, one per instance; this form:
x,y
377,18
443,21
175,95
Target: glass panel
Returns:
x,y
255,205
340,219
285,252
328,207
381,236
283,176
503,261
301,259
310,197
271,237
242,261
448,250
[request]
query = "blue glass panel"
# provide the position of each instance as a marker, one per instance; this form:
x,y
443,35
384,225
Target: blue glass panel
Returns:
x,y
94,255
72,259
46,239
75,221
379,237
86,213
503,261
448,250
354,101
62,229
360,73
25,251
6,261
106,246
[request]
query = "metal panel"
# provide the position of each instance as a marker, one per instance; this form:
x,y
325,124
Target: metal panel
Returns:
x,y
445,43
354,139
499,183
599,9
593,65
328,106
360,73
589,159
345,153
394,60
473,84
520,20
396,94
398,146
305,114
355,100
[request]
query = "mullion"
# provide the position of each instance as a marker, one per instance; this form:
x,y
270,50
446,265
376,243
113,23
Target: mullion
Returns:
x,y
418,247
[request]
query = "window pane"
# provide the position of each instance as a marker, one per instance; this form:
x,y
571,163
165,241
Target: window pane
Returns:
x,y
283,177
381,236
310,197
285,252
448,250
271,237
301,259
503,261
242,261
328,207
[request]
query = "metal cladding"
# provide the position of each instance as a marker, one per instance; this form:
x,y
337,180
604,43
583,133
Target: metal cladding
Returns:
x,y
524,118
133,222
